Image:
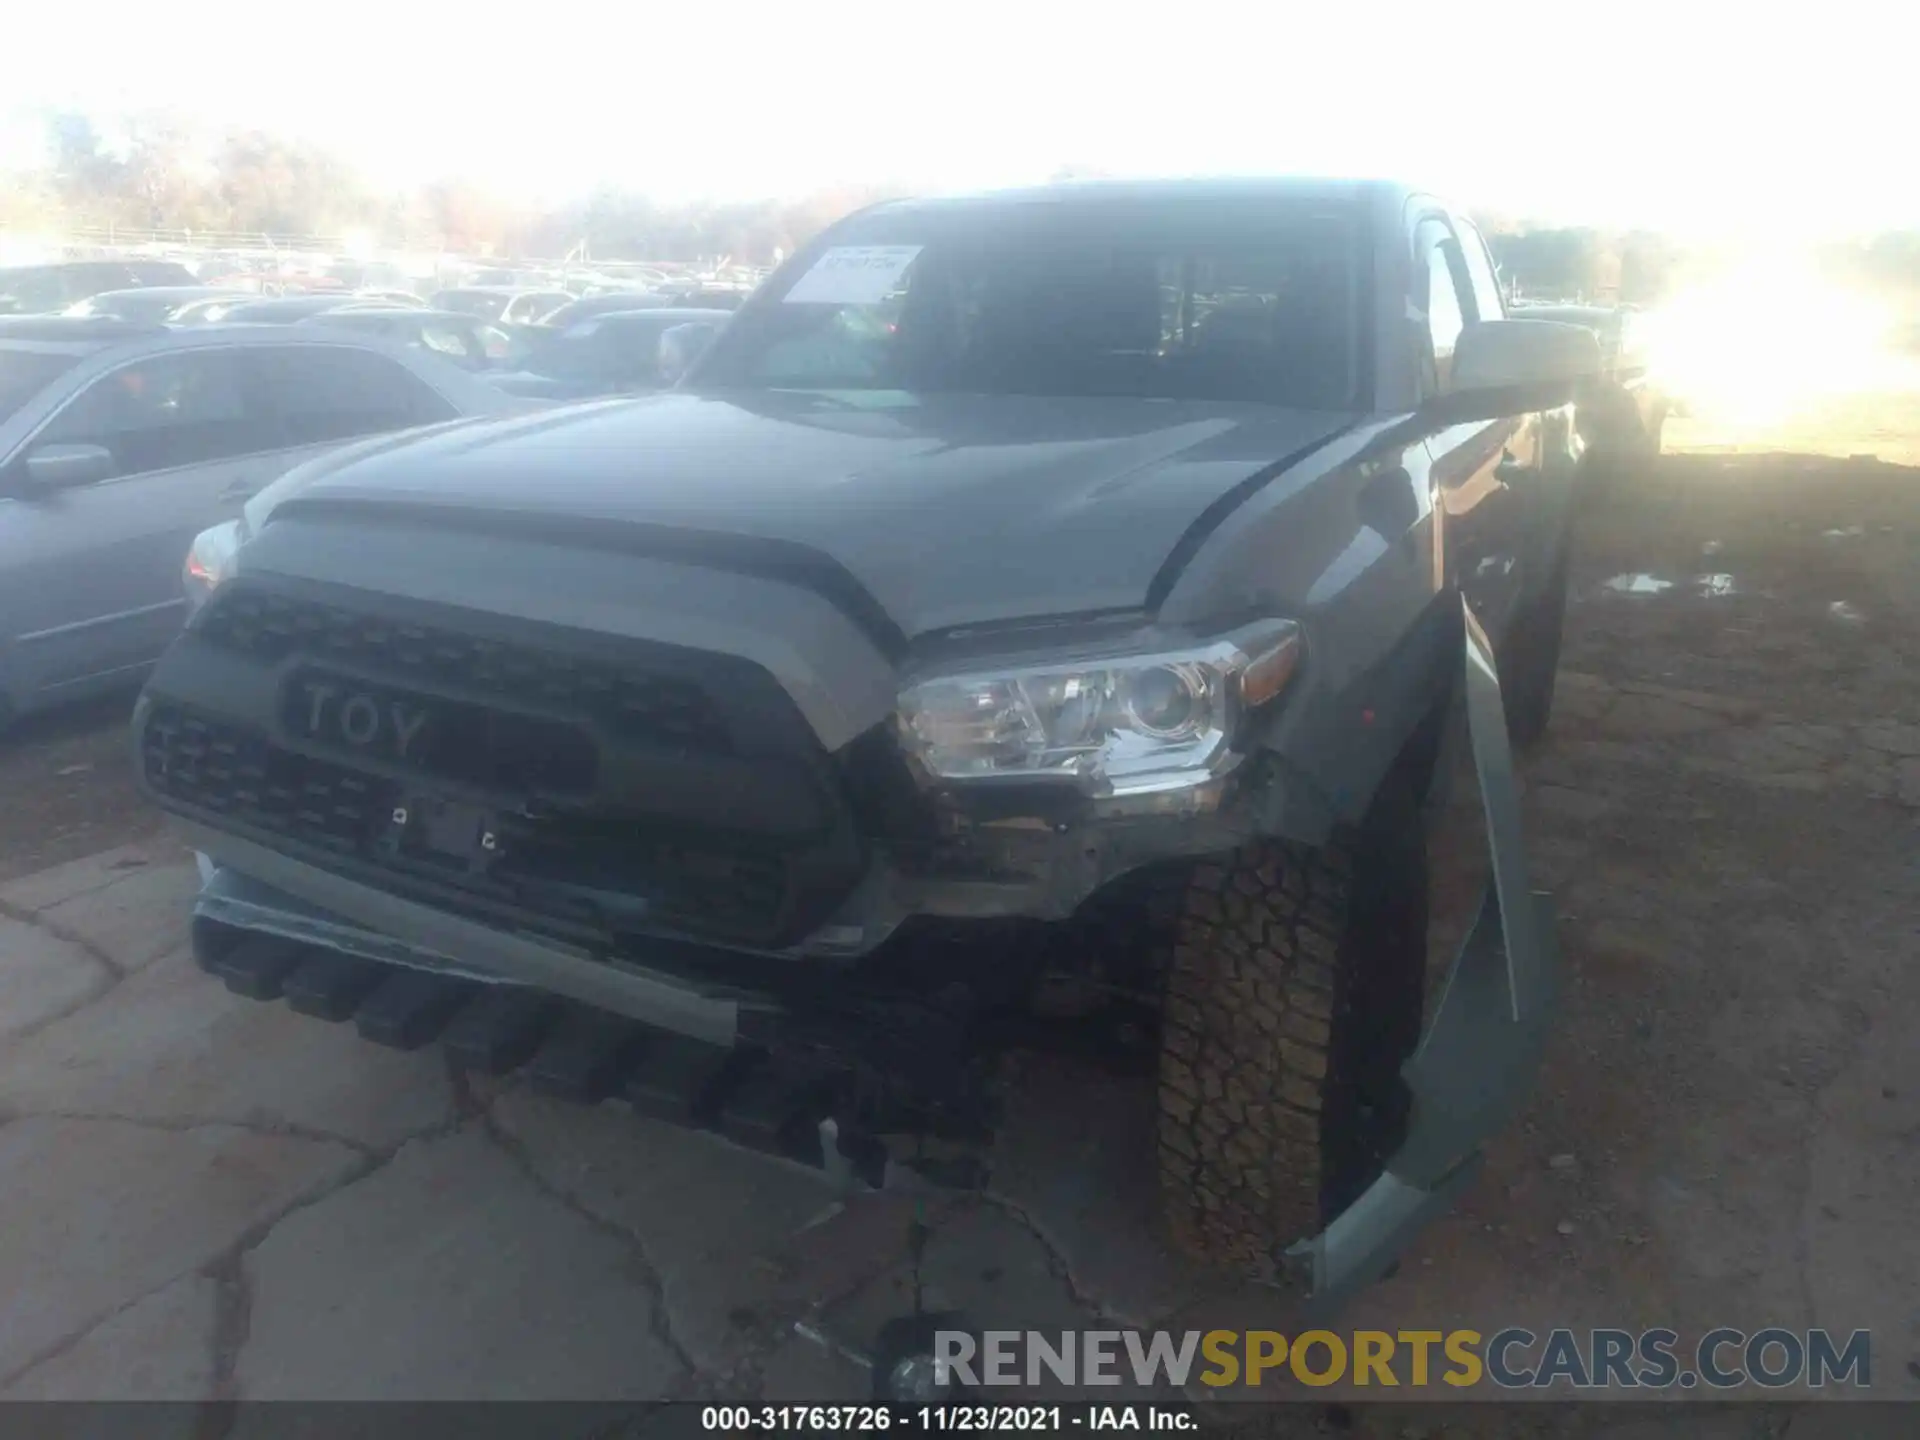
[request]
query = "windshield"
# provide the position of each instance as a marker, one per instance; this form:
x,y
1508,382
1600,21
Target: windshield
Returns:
x,y
24,373
1210,301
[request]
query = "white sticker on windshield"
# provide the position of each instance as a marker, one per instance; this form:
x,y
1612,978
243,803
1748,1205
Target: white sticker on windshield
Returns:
x,y
853,275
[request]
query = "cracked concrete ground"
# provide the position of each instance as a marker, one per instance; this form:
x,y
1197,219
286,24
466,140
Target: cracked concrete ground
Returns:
x,y
209,1198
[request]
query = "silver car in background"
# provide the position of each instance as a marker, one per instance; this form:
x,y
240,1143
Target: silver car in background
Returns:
x,y
120,444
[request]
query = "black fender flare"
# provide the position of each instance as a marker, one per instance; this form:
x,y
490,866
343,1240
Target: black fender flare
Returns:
x,y
1329,768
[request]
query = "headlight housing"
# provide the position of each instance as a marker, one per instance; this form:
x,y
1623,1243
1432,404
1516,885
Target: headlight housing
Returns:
x,y
1111,726
210,560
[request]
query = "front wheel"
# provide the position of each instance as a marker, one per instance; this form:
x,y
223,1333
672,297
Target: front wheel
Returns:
x,y
1294,996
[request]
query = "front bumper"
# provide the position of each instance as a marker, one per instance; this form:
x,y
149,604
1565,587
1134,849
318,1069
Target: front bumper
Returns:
x,y
253,889
267,945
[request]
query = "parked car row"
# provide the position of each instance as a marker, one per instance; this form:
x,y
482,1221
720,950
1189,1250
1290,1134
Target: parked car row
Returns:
x,y
497,294
538,342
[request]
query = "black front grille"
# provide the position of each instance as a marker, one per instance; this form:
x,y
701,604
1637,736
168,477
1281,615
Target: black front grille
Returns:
x,y
592,786
600,877
642,704
227,771
464,741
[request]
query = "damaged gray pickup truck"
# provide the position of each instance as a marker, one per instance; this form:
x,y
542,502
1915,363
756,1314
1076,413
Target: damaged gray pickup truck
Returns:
x,y
1061,593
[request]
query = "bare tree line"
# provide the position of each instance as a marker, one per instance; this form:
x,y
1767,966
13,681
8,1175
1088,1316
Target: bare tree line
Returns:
x,y
161,174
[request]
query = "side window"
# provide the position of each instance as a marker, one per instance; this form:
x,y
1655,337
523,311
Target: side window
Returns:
x,y
156,414
323,392
1445,305
1487,304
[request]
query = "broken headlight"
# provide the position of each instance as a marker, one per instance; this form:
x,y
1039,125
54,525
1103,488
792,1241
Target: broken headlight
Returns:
x,y
1119,725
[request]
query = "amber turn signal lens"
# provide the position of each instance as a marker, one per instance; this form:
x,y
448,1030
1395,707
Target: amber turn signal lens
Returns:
x,y
1267,675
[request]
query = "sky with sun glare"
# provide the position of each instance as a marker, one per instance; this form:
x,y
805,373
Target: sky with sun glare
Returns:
x,y
1683,116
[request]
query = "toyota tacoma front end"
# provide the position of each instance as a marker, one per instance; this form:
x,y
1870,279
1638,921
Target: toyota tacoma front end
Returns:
x,y
1038,594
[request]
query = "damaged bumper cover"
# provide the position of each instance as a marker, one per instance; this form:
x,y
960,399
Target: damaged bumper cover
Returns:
x,y
1476,1063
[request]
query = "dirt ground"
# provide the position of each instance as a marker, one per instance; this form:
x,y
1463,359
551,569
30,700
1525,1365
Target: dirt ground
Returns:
x,y
67,779
1726,1129
1875,416
1725,810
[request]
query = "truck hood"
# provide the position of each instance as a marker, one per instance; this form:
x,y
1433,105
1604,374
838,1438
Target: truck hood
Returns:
x,y
946,510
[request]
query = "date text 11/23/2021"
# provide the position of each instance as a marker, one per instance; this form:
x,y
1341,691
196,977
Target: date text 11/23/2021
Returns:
x,y
956,1417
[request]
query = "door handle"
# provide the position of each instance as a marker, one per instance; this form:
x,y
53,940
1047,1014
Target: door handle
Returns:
x,y
238,491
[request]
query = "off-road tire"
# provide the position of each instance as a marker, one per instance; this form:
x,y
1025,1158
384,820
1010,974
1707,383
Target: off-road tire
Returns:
x,y
1530,660
1294,995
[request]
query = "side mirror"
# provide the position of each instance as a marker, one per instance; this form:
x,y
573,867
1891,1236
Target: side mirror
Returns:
x,y
680,346
62,467
1507,367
